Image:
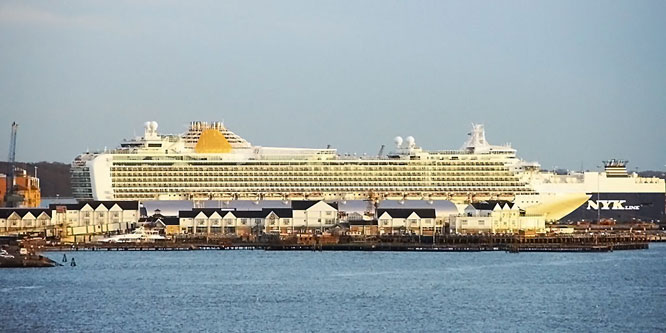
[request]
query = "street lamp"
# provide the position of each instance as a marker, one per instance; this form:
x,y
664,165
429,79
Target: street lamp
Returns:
x,y
598,195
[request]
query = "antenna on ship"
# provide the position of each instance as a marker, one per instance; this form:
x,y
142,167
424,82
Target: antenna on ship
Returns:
x,y
328,146
381,151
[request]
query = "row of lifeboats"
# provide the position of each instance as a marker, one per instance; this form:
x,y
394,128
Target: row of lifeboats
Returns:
x,y
458,197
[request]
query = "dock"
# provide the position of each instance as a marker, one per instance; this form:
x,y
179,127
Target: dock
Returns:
x,y
448,243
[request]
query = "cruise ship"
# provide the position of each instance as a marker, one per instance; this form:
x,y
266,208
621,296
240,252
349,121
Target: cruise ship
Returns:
x,y
210,162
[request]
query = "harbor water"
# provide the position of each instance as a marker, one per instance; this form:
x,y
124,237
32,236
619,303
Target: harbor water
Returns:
x,y
246,291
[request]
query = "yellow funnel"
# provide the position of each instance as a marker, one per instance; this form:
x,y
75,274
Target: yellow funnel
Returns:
x,y
212,141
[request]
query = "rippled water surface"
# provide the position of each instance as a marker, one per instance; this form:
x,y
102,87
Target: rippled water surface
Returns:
x,y
339,291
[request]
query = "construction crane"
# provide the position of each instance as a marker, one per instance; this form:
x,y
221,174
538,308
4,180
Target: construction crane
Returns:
x,y
12,199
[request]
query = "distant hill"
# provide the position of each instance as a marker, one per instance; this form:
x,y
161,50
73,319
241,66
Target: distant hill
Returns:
x,y
53,177
650,173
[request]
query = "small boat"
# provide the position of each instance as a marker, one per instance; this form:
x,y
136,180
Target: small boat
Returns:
x,y
140,234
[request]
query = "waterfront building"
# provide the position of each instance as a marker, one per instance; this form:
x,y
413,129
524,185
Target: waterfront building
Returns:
x,y
362,227
279,220
24,220
301,217
167,225
407,220
89,218
314,215
496,217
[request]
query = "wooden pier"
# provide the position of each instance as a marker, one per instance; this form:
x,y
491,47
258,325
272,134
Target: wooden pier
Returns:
x,y
447,243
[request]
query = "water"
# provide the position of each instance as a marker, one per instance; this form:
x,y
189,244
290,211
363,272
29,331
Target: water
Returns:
x,y
339,291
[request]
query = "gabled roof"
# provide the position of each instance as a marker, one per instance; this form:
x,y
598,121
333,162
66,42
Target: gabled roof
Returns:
x,y
186,213
403,213
125,205
71,206
249,214
6,212
306,204
206,211
210,211
170,220
280,212
152,218
490,204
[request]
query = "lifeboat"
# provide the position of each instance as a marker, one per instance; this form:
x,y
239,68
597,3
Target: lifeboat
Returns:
x,y
459,197
507,197
481,197
273,196
249,196
439,196
295,196
413,196
315,196
394,196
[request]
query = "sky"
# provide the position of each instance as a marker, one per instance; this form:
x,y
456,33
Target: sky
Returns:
x,y
567,83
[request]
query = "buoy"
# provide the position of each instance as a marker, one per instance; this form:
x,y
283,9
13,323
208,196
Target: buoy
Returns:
x,y
64,257
73,263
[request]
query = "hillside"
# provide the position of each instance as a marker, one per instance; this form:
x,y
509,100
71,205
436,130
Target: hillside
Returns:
x,y
53,177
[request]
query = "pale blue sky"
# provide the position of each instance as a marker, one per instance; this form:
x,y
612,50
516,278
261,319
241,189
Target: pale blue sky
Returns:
x,y
564,81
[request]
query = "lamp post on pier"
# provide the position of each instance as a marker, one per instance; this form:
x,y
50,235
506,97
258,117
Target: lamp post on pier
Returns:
x,y
598,194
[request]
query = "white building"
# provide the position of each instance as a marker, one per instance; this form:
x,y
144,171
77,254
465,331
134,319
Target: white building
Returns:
x,y
496,217
303,216
96,217
313,215
407,220
22,220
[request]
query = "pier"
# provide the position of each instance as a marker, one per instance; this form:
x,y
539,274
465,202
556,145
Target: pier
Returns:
x,y
448,243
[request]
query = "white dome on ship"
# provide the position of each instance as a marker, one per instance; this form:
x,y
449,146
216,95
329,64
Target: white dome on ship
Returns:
x,y
397,140
146,125
153,125
410,141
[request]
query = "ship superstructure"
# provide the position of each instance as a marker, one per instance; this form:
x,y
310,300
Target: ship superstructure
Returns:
x,y
209,161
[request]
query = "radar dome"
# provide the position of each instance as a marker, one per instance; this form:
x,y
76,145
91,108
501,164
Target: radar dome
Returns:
x,y
398,140
410,141
153,125
146,124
